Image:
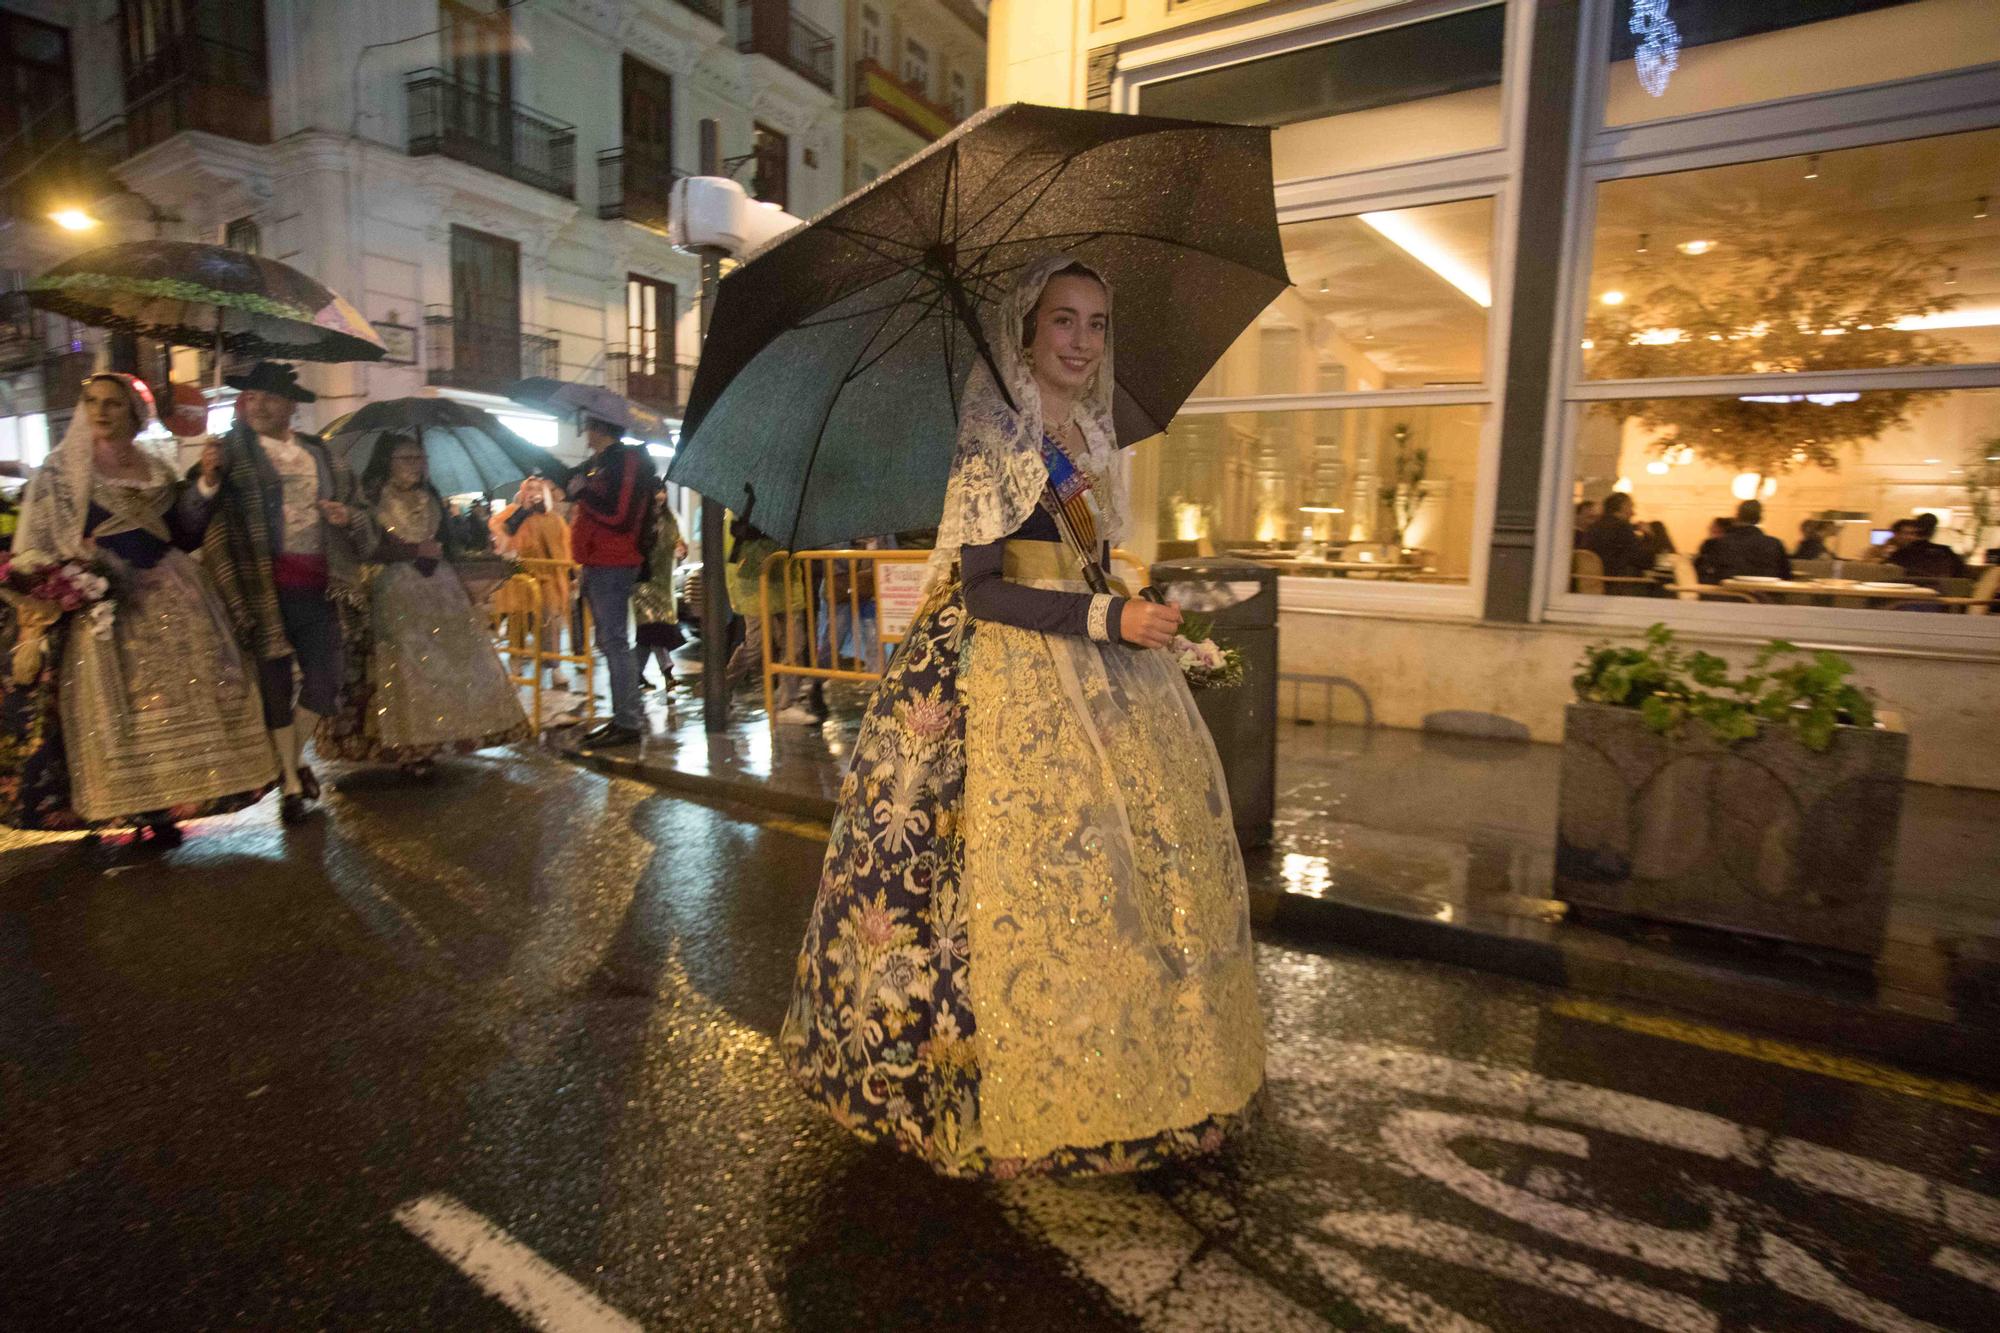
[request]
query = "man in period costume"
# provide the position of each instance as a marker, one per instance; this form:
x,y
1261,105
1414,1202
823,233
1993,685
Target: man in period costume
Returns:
x,y
280,551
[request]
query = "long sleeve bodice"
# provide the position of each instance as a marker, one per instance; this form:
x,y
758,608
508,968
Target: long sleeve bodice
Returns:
x,y
991,595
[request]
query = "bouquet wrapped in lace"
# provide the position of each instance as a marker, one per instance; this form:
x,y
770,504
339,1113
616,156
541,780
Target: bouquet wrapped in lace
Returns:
x,y
1207,664
43,593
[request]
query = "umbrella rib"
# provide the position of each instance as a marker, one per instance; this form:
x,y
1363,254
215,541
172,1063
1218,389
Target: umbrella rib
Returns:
x,y
1129,235
1053,172
853,314
857,234
929,307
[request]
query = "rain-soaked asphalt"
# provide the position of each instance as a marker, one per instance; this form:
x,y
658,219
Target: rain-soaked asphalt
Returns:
x,y
242,1082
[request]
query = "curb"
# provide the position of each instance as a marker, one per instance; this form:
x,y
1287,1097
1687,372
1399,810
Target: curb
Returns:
x,y
1588,962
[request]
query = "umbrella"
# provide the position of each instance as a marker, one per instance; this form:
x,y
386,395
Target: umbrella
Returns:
x,y
469,450
198,295
590,400
831,374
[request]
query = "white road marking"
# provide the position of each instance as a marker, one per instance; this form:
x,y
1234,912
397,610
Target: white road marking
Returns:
x,y
1796,1273
1968,1266
1374,1294
543,1295
1503,1258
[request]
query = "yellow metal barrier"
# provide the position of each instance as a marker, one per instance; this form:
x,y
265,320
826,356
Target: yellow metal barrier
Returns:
x,y
555,585
516,607
814,573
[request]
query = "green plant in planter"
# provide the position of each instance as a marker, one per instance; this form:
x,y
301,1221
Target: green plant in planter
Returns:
x,y
1672,686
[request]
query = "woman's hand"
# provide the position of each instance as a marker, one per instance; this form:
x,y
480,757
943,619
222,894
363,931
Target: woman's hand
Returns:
x,y
336,513
680,550
1148,624
213,466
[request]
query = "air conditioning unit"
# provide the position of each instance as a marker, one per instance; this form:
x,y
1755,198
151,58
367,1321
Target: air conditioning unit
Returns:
x,y
715,213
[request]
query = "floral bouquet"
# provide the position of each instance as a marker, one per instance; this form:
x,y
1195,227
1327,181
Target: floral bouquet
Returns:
x,y
43,593
1207,664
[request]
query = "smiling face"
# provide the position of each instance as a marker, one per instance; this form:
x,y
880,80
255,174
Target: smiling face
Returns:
x,y
108,409
406,465
1069,329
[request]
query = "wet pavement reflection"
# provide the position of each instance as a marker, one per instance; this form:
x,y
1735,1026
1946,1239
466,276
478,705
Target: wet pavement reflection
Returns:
x,y
550,998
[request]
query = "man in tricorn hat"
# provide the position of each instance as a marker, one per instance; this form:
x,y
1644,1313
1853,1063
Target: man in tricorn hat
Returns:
x,y
280,550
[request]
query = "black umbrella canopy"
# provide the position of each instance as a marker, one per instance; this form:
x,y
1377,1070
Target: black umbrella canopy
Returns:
x,y
181,292
832,371
468,450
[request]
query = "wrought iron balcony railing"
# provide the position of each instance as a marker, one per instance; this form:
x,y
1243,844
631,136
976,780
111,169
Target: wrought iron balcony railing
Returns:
x,y
659,383
456,120
486,357
875,87
196,83
635,189
770,28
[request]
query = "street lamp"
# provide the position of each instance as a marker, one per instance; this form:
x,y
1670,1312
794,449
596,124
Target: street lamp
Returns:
x,y
73,219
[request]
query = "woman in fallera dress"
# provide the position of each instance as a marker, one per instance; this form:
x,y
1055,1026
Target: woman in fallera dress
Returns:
x,y
1030,952
155,719
423,678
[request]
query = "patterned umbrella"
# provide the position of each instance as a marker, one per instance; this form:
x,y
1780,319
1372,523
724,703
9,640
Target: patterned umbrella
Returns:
x,y
590,400
469,450
198,295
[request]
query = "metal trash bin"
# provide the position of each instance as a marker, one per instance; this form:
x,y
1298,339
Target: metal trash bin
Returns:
x,y
1240,598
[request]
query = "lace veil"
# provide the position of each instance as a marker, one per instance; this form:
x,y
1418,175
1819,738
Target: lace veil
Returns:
x,y
997,473
56,505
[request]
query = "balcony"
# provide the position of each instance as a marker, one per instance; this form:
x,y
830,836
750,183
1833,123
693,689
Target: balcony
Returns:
x,y
664,389
198,84
486,358
23,336
769,28
456,120
708,9
634,189
875,88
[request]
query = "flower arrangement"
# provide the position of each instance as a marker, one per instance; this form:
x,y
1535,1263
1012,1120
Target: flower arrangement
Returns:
x,y
1207,664
65,586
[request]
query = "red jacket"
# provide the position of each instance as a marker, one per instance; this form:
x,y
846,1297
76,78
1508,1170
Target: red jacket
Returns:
x,y
610,508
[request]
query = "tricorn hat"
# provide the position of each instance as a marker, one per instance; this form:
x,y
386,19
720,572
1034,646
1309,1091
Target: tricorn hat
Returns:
x,y
273,377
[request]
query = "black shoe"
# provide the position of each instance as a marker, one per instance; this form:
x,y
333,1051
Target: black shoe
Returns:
x,y
308,784
292,809
163,834
608,736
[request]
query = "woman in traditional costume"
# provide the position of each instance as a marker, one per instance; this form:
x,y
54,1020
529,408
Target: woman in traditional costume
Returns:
x,y
423,678
154,717
1030,952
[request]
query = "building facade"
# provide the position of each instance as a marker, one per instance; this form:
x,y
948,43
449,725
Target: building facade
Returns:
x,y
918,67
485,181
1696,251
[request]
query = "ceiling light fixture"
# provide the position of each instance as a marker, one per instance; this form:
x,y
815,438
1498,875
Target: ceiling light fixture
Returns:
x,y
1951,276
1812,167
73,219
1642,243
1613,298
1322,286
1695,247
1404,231
1979,209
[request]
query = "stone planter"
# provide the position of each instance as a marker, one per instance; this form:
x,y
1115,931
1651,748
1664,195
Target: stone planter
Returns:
x,y
1764,837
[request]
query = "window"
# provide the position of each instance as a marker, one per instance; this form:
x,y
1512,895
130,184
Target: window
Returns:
x,y
917,67
1873,270
37,108
871,34
1421,90
771,166
478,51
647,142
650,375
961,98
1320,471
1692,56
244,234
485,307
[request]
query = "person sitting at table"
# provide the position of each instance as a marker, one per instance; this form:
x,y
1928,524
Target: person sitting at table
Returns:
x,y
1901,533
1617,542
1587,513
1745,549
1704,557
1926,560
1812,540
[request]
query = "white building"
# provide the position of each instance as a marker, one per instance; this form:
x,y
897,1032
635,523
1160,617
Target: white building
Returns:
x,y
491,177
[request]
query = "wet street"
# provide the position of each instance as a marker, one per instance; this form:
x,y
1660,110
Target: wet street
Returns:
x,y
496,1050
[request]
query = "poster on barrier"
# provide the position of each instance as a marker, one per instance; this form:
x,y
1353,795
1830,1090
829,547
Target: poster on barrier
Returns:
x,y
898,586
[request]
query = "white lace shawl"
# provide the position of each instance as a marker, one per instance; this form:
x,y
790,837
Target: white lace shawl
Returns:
x,y
997,473
55,507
